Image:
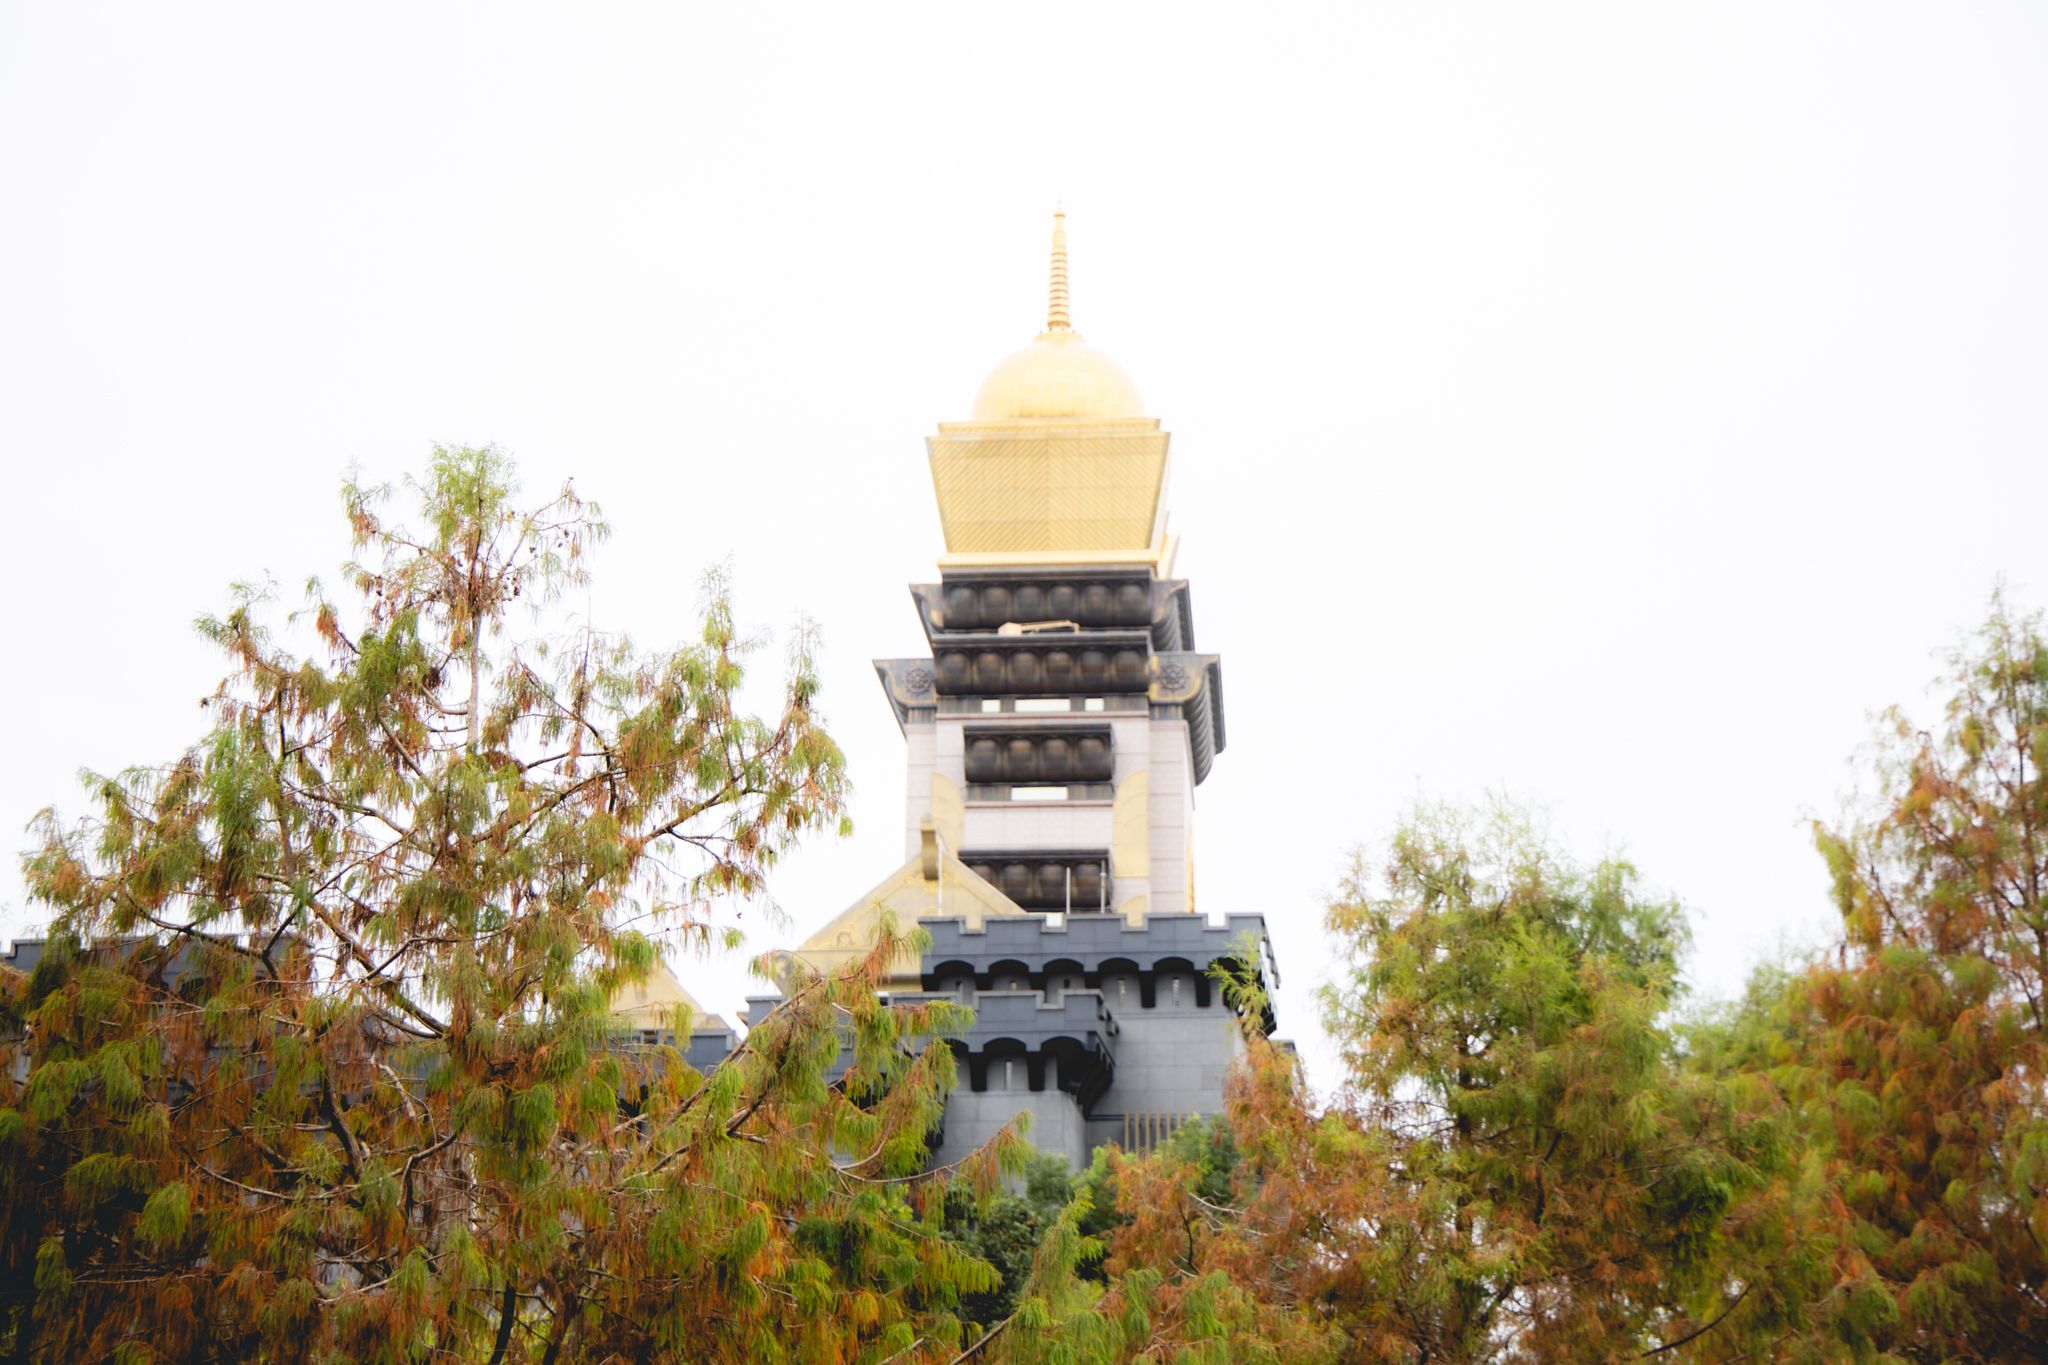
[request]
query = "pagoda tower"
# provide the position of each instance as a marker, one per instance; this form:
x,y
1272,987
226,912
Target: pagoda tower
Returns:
x,y
1057,732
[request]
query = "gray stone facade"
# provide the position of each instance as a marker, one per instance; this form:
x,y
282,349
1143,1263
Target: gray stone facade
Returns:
x,y
1099,1030
1168,1035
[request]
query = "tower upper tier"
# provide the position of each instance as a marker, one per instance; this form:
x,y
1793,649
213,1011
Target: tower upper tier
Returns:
x,y
1058,462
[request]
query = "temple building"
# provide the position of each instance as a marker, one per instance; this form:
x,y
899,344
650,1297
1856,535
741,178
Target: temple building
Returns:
x,y
1057,733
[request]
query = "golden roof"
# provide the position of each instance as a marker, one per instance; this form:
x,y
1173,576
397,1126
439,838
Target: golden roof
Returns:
x,y
1057,463
658,1001
1058,375
1030,489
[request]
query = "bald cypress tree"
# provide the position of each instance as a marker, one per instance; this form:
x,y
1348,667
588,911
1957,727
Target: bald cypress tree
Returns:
x,y
319,1063
1518,1168
1916,1053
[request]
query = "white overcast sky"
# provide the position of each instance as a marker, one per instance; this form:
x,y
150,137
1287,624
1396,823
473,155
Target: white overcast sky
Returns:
x,y
1609,404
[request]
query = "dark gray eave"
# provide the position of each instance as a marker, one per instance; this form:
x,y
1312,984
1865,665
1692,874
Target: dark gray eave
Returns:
x,y
1190,683
1172,626
704,1050
1194,684
1173,615
910,687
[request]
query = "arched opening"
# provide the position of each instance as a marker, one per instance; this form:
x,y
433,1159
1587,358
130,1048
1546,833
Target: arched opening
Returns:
x,y
1123,985
1174,983
1063,974
1008,974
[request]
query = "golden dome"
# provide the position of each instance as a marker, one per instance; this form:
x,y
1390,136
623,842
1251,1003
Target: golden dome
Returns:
x,y
1058,374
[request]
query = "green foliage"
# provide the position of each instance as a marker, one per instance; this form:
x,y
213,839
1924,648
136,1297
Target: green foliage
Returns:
x,y
167,1217
1005,1230
1507,1017
319,1064
1529,1163
1906,1067
1540,1158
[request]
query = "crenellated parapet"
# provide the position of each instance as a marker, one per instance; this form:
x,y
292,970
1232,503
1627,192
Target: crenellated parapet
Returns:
x,y
1062,1041
1091,950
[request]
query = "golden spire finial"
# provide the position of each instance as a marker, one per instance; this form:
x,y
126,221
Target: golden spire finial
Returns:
x,y
1056,319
